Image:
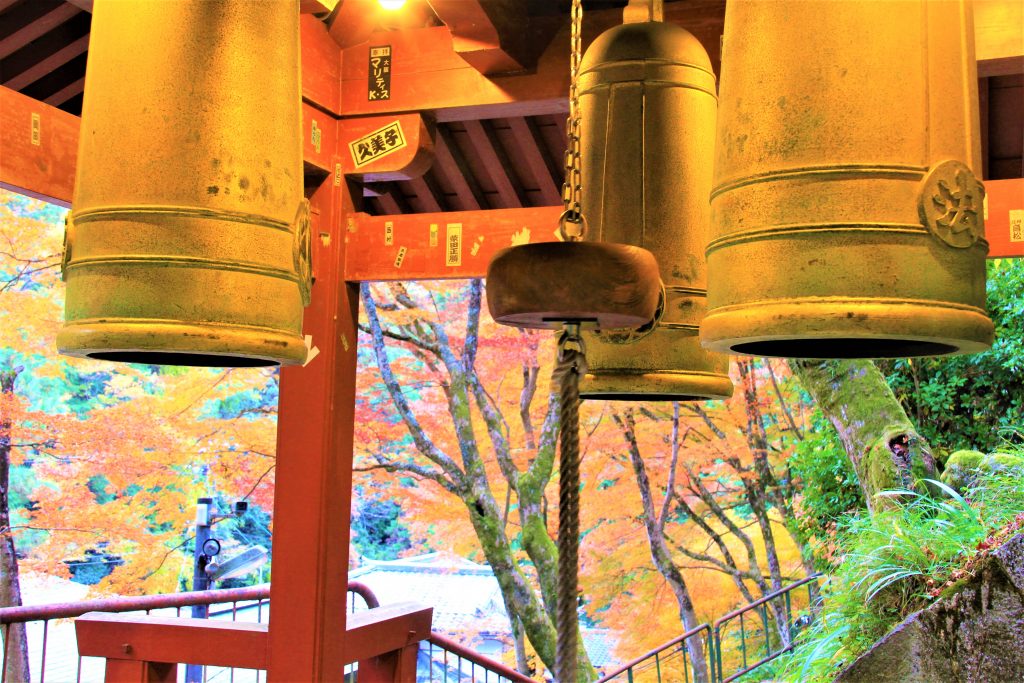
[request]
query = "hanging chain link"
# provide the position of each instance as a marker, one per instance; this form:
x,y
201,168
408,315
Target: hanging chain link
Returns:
x,y
572,187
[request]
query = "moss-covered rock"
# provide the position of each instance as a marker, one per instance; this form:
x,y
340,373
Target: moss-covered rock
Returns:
x,y
967,469
973,635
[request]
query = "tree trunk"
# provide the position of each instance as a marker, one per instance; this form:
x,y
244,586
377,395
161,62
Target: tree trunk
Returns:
x,y
469,480
10,585
660,552
884,447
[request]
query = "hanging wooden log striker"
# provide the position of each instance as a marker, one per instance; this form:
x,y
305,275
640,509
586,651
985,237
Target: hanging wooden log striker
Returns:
x,y
188,242
647,110
847,219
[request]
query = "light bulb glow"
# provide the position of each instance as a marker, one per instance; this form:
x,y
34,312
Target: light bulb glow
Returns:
x,y
392,5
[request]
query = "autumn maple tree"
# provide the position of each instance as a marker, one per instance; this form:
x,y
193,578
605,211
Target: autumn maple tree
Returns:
x,y
108,457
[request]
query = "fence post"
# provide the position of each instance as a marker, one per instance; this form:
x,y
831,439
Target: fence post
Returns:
x,y
131,671
397,666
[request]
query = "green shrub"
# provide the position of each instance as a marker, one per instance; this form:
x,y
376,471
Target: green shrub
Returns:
x,y
964,401
894,563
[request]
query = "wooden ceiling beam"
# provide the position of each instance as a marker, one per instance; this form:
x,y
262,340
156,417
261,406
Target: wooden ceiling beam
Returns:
x,y
51,63
495,163
531,145
426,197
36,29
492,36
66,93
449,162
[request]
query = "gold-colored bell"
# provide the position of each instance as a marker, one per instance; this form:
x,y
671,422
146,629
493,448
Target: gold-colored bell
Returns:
x,y
647,107
846,219
188,243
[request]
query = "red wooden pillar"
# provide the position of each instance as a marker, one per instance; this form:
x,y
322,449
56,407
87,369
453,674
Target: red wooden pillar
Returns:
x,y
314,467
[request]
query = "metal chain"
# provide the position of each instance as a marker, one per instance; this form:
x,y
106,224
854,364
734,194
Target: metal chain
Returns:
x,y
572,187
570,368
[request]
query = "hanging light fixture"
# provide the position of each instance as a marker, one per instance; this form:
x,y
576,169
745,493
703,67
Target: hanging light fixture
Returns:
x,y
846,217
647,109
188,242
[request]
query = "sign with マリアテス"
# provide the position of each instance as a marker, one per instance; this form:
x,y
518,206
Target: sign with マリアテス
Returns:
x,y
379,73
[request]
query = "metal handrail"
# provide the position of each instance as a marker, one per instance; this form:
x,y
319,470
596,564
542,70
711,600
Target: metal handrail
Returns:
x,y
716,664
484,662
672,643
65,610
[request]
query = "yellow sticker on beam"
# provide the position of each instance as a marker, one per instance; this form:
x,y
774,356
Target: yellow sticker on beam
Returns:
x,y
389,233
453,244
400,257
433,234
1017,225
377,145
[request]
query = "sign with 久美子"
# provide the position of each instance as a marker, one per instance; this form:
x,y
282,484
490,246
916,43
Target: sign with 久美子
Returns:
x,y
377,144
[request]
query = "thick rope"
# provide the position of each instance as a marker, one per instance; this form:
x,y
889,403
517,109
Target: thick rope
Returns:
x,y
570,368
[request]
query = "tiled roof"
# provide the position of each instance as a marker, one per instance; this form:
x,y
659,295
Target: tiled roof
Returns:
x,y
465,596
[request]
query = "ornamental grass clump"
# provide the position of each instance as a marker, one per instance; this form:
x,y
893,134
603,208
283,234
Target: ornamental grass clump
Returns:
x,y
898,561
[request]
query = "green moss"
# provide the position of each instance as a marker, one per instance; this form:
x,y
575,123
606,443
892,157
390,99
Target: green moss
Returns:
x,y
966,469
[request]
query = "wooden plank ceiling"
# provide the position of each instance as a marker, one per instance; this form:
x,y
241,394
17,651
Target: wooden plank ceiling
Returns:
x,y
499,163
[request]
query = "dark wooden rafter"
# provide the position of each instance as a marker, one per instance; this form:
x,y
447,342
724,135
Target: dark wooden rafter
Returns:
x,y
70,90
426,196
450,164
544,173
49,64
32,20
496,167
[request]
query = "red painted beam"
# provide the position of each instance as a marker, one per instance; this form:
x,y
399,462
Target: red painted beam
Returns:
x,y
321,65
38,148
420,239
437,246
172,639
1004,222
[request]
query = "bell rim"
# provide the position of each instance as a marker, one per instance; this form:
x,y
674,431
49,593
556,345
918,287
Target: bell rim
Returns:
x,y
773,330
237,346
683,386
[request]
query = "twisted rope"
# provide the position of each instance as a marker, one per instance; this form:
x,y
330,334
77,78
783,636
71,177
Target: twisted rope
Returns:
x,y
569,369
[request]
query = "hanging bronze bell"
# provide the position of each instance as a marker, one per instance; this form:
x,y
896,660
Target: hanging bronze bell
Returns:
x,y
846,219
647,108
188,242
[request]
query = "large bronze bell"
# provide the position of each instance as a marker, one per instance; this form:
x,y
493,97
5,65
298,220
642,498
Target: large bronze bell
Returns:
x,y
188,243
647,107
846,219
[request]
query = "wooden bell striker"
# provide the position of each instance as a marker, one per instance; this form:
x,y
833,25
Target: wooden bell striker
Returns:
x,y
847,219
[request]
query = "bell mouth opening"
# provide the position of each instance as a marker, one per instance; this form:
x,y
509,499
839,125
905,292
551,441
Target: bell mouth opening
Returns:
x,y
843,348
195,360
626,396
